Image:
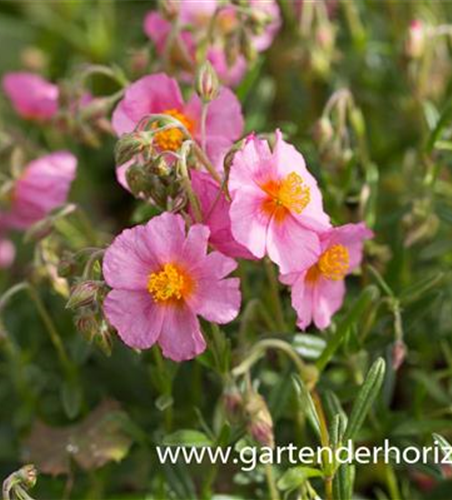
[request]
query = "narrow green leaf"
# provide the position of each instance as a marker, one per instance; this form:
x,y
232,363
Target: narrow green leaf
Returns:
x,y
366,396
307,403
309,346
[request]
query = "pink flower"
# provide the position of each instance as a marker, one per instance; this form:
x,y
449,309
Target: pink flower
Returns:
x,y
33,97
43,186
215,210
161,94
318,291
162,279
276,204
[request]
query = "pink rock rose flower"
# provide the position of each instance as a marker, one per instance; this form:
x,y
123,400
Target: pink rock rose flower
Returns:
x,y
161,280
159,93
43,186
215,210
318,291
276,204
33,97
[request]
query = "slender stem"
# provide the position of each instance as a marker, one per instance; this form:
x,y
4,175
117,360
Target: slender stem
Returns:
x,y
276,299
274,494
391,482
52,331
206,162
186,182
204,111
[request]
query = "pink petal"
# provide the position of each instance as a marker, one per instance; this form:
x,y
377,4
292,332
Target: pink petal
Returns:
x,y
157,29
287,160
194,249
328,299
135,316
302,301
216,266
224,115
129,260
150,94
217,301
229,75
32,96
249,222
215,210
43,186
292,246
181,338
165,234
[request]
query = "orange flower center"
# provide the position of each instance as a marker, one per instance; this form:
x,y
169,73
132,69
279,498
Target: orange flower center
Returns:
x,y
171,139
289,194
169,284
333,265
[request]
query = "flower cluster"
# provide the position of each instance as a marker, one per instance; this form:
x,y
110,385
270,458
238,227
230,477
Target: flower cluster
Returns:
x,y
243,196
259,201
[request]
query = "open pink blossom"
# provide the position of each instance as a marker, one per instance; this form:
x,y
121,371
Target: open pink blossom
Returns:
x,y
194,18
159,93
215,210
276,204
33,97
162,279
43,186
318,291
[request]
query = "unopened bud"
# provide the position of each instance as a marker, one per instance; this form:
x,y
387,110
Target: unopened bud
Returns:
x,y
136,180
258,20
87,324
399,351
247,47
207,84
128,146
260,423
415,43
67,266
323,131
83,294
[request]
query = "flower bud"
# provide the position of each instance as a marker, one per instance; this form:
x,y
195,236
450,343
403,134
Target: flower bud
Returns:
x,y
260,423
87,324
128,146
83,294
415,43
207,84
323,131
399,351
136,180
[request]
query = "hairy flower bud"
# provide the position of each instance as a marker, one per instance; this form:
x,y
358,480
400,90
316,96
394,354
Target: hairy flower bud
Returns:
x,y
323,131
130,145
207,84
83,294
260,423
399,351
233,402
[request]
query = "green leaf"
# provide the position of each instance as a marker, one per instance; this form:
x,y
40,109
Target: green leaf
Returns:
x,y
366,396
188,437
367,297
442,123
164,402
309,346
294,477
307,404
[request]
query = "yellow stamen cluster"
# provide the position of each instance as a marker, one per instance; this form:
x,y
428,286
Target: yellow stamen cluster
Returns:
x,y
172,138
293,193
334,263
170,283
289,194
